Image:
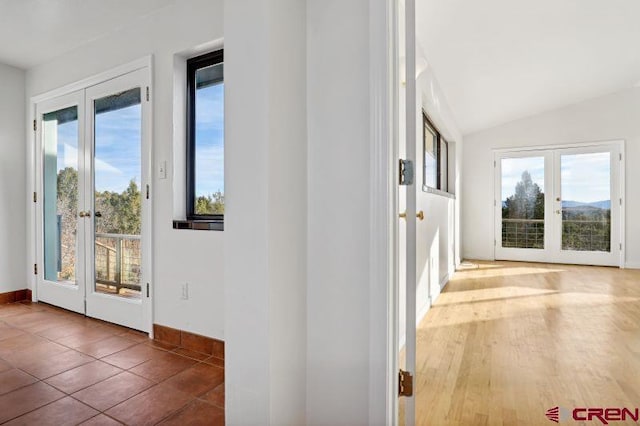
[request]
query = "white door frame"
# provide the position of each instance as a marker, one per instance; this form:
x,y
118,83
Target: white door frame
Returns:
x,y
551,153
383,212
144,63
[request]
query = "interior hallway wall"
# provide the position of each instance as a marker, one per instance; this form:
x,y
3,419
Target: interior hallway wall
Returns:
x,y
13,222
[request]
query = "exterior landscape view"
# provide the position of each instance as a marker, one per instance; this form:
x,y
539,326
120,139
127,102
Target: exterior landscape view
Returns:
x,y
586,226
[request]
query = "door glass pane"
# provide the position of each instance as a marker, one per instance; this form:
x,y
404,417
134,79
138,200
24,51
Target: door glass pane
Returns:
x,y
523,202
586,201
117,206
60,198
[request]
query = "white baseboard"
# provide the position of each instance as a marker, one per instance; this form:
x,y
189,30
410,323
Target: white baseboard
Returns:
x,y
632,265
444,281
473,257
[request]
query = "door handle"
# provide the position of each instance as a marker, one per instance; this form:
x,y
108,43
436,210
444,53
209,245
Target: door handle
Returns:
x,y
419,215
557,211
97,214
82,214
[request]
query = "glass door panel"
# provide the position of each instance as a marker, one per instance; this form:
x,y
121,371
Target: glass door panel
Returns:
x,y
60,195
586,201
61,182
523,207
117,133
522,200
117,199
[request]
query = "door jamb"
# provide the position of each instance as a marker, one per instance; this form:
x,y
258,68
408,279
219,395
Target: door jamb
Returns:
x,y
383,321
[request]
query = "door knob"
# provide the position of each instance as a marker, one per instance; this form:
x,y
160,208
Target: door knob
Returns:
x,y
419,215
557,211
81,214
98,214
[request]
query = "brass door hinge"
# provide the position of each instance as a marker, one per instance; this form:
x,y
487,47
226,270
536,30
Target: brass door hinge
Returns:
x,y
405,383
35,197
35,269
147,93
35,125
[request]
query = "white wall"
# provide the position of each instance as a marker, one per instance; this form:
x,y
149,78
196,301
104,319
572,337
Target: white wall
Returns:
x,y
13,272
266,212
606,118
180,256
340,291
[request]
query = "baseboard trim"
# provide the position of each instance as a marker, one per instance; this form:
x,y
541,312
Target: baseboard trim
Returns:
x,y
632,265
187,340
15,296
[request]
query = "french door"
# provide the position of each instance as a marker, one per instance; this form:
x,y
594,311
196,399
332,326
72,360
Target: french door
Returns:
x,y
93,214
560,205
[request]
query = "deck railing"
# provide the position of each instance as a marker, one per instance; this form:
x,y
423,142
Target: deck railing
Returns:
x,y
118,261
579,235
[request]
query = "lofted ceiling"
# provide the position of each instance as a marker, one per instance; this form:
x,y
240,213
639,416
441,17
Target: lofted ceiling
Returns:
x,y
500,60
35,31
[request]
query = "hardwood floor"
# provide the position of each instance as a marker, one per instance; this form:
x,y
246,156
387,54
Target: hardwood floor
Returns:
x,y
506,341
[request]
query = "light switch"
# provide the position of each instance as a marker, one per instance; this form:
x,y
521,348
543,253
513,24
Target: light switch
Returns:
x,y
162,170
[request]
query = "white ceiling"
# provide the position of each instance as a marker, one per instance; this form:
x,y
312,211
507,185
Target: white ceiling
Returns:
x,y
499,60
35,31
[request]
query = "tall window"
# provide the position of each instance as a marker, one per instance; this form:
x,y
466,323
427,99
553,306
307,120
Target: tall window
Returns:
x,y
205,137
436,157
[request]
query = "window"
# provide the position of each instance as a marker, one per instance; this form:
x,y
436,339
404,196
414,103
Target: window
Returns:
x,y
205,137
436,157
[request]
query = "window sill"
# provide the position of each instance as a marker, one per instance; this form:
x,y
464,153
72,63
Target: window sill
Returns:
x,y
434,191
199,225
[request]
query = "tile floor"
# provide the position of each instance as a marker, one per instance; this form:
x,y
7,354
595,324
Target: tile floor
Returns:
x,y
60,368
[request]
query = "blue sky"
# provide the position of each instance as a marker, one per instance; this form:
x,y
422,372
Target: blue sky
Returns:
x,y
118,152
584,177
210,140
512,169
118,149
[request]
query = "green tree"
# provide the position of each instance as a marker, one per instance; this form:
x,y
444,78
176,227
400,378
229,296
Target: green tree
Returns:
x,y
67,210
210,204
120,212
527,202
